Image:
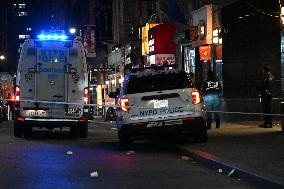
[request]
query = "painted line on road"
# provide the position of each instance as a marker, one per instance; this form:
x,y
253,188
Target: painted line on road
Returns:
x,y
217,163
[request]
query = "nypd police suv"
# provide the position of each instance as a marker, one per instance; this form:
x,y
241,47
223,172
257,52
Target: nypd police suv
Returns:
x,y
159,101
52,85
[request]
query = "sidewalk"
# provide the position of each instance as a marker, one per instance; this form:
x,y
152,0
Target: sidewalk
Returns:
x,y
253,151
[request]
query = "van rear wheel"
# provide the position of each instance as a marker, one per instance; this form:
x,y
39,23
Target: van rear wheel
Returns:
x,y
27,131
83,129
74,131
18,130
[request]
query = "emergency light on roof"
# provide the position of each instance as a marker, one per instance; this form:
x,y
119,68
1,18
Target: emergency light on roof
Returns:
x,y
57,35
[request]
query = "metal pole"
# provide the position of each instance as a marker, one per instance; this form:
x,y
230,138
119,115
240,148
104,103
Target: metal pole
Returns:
x,y
8,112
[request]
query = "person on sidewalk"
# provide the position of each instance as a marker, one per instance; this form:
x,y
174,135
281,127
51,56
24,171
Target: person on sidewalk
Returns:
x,y
266,96
212,91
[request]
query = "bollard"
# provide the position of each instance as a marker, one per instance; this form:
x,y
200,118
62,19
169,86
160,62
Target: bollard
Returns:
x,y
8,112
282,115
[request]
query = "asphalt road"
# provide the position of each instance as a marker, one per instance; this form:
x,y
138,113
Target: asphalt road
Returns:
x,y
42,162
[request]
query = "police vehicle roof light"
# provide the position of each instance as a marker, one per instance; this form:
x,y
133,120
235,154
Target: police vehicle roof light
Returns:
x,y
52,36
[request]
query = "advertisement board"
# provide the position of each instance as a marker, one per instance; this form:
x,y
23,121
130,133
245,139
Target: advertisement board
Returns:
x,y
202,20
161,59
89,40
161,39
145,37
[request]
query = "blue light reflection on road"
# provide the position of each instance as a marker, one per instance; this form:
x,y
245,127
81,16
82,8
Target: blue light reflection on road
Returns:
x,y
48,166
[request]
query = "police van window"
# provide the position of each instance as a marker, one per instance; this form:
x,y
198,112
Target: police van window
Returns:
x,y
158,82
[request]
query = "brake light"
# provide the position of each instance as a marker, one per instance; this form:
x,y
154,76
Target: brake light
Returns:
x,y
124,103
21,119
17,93
196,98
86,95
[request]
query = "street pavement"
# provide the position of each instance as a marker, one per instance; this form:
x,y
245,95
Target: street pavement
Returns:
x,y
43,162
243,145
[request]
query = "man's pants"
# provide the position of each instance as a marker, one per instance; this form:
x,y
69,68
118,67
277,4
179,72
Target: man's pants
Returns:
x,y
212,103
266,103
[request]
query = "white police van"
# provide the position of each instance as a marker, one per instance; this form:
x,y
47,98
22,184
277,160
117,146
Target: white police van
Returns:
x,y
52,85
159,101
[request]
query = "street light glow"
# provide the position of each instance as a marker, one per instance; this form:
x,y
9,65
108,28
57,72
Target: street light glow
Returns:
x,y
2,57
72,30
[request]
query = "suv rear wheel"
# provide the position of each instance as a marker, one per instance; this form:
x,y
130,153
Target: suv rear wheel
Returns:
x,y
18,130
201,136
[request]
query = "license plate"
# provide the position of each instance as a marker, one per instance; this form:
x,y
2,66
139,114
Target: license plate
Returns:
x,y
37,113
161,104
155,124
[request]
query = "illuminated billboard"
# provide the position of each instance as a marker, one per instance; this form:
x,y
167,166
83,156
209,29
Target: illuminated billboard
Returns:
x,y
161,39
145,37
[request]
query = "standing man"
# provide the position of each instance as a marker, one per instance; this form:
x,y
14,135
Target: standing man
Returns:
x,y
266,96
212,92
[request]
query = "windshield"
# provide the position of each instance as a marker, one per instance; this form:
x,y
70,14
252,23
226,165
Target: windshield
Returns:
x,y
159,82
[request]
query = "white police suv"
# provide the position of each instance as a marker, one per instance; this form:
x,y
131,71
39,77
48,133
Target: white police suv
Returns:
x,y
159,101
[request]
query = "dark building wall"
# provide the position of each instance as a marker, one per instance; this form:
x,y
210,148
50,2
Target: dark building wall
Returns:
x,y
103,21
250,40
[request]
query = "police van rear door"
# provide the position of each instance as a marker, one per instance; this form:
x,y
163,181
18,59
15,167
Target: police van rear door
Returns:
x,y
51,81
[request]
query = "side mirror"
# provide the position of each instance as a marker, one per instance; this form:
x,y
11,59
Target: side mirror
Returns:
x,y
111,95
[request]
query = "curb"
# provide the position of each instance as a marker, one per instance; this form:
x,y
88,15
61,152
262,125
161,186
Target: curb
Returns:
x,y
215,162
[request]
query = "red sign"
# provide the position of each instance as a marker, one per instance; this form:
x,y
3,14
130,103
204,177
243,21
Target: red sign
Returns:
x,y
89,40
161,39
204,52
219,52
193,30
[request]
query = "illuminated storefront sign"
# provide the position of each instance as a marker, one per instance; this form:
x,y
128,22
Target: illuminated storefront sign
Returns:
x,y
145,38
204,52
161,59
219,52
203,20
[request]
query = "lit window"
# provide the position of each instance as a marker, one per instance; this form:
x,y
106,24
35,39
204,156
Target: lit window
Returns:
x,y
22,36
22,13
22,6
29,29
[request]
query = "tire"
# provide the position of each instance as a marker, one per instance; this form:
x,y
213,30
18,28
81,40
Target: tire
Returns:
x,y
74,131
83,130
27,131
123,140
201,136
18,129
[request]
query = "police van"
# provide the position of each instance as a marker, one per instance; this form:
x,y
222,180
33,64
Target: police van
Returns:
x,y
52,85
159,101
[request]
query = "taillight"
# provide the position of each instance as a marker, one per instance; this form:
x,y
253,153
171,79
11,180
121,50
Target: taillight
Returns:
x,y
17,93
86,95
196,97
124,103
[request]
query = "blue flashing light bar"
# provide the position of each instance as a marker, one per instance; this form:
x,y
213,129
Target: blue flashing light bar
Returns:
x,y
53,36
